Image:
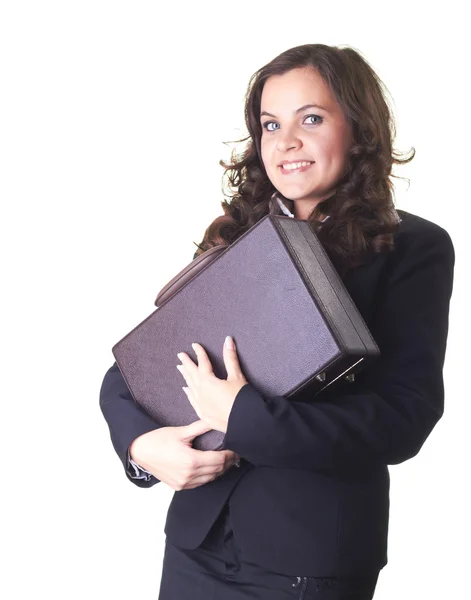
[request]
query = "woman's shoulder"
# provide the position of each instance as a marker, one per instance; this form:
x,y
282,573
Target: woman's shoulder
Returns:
x,y
412,225
414,233
421,249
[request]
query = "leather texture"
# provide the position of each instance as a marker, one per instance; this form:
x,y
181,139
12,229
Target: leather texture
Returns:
x,y
277,293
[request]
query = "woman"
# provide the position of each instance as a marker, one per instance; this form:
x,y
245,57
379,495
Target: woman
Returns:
x,y
305,513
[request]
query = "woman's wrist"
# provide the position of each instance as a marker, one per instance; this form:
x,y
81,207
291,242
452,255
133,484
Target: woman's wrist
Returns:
x,y
134,448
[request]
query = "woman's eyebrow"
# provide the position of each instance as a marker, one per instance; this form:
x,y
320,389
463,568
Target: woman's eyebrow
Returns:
x,y
296,111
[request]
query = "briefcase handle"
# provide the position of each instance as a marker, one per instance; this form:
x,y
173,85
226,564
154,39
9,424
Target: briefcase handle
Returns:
x,y
188,273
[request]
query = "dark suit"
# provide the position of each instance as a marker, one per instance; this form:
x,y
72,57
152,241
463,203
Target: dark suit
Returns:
x,y
311,495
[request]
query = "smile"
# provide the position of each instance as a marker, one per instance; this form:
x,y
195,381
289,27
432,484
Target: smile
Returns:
x,y
295,168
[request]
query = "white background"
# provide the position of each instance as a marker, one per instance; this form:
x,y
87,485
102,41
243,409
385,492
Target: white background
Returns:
x,y
113,117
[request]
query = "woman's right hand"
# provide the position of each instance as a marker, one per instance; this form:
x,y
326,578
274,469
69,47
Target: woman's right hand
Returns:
x,y
167,453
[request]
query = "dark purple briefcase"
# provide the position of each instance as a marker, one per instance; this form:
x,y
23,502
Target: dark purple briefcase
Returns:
x,y
276,292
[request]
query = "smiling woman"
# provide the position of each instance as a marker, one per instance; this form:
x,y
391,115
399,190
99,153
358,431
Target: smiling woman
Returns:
x,y
306,514
322,141
326,105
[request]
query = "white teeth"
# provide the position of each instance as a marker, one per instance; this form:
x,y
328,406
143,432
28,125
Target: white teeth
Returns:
x,y
291,166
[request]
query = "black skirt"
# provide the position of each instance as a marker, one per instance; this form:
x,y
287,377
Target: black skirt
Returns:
x,y
216,570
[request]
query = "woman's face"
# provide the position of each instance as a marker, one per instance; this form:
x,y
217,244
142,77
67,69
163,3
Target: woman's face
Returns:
x,y
321,135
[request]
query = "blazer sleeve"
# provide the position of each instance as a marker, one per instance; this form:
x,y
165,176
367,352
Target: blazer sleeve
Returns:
x,y
126,420
387,417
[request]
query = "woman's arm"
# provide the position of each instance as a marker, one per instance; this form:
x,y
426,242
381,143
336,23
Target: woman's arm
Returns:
x,y
387,414
126,420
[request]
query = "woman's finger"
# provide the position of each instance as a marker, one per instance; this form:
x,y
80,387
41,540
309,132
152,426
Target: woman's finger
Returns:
x,y
204,364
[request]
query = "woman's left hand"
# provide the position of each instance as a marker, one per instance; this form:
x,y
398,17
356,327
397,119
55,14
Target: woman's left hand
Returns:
x,y
211,397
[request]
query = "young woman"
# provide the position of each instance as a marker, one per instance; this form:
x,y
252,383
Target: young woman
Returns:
x,y
297,504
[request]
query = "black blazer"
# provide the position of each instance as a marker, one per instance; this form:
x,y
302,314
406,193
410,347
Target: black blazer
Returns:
x,y
311,495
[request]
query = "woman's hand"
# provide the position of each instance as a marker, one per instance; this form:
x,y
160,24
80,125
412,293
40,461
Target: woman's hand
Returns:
x,y
211,397
168,454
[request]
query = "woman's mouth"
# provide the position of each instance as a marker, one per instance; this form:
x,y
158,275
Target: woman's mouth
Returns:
x,y
290,169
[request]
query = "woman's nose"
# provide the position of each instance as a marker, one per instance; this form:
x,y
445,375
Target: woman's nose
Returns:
x,y
287,142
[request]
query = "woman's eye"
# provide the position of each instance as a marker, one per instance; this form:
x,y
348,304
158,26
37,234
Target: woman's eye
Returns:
x,y
267,123
316,117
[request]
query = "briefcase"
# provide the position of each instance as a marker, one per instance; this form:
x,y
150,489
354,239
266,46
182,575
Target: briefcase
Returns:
x,y
276,292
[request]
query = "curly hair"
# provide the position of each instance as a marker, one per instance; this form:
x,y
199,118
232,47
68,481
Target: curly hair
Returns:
x,y
362,216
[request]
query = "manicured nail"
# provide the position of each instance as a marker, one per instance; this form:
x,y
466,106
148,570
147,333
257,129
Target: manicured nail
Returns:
x,y
229,342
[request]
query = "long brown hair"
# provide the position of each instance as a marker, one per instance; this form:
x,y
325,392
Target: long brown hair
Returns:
x,y
362,216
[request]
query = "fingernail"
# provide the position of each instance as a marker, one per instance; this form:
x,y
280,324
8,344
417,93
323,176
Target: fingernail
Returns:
x,y
229,342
